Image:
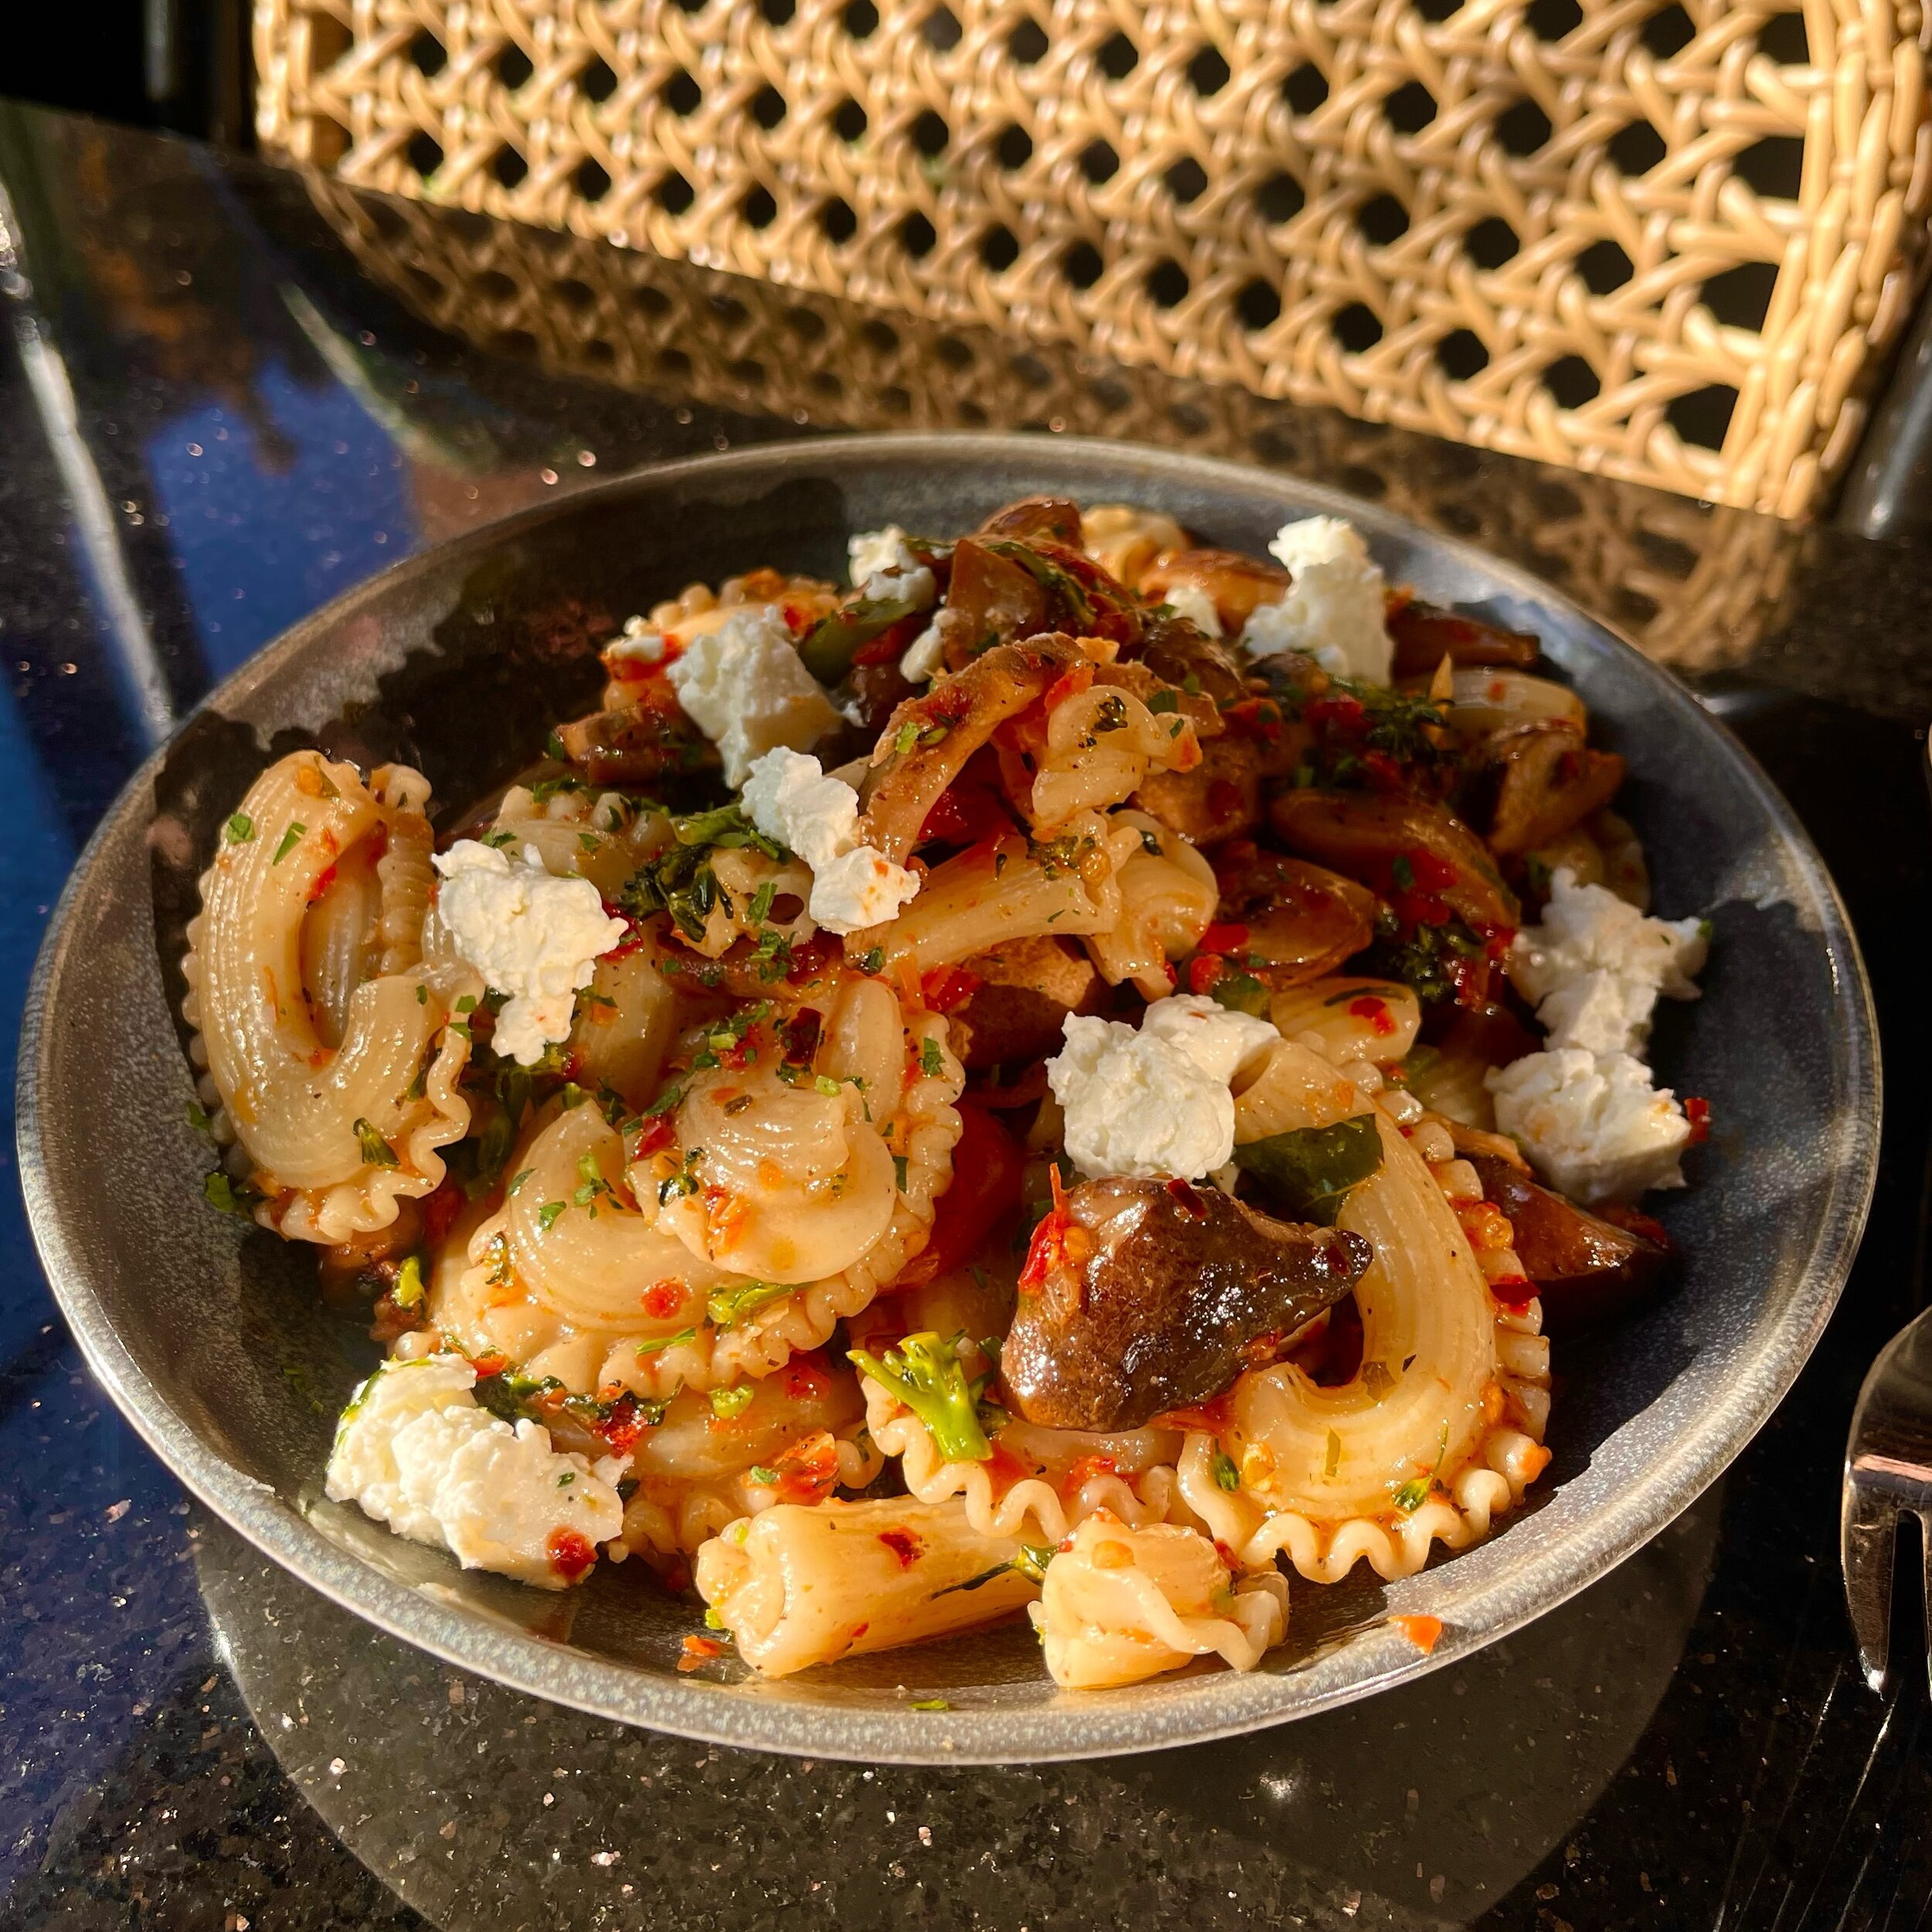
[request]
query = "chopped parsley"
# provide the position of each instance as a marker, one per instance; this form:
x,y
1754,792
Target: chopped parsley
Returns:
x,y
375,1152
290,839
408,1290
220,1190
1415,1493
728,1307
729,1404
547,1215
1227,1476
240,828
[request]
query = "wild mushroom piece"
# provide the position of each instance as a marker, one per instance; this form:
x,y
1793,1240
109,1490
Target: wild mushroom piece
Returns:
x,y
1057,518
1233,583
1372,836
1424,634
1585,1268
1022,992
648,739
1179,654
1144,1296
928,738
1548,780
1296,920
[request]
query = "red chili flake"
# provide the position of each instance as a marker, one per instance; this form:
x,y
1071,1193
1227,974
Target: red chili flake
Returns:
x,y
656,1134
1069,684
1183,1193
1204,972
1220,938
1698,1112
699,1651
1506,1297
1424,1632
1345,716
620,1429
948,988
1432,871
806,1376
1228,1560
1471,979
1003,1469
664,1299
1636,1221
1086,1467
800,1036
903,1545
1420,909
1384,775
1375,1011
1056,1242
570,1554
486,1366
808,1471
324,880
1496,942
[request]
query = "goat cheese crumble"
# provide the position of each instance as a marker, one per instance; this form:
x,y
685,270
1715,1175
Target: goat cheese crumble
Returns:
x,y
1223,1043
637,643
536,937
1584,1110
744,687
789,797
1138,1104
1595,966
1592,1124
413,1450
1190,601
873,552
925,657
1335,607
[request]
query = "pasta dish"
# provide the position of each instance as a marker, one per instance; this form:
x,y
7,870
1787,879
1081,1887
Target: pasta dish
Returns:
x,y
1064,1078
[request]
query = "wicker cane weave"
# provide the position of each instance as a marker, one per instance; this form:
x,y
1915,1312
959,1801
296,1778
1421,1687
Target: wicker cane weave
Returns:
x,y
1695,585
1669,242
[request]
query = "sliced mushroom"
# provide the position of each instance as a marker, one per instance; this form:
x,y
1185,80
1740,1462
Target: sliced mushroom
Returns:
x,y
1220,798
1299,920
1155,1295
992,600
1425,634
1026,989
1236,583
637,742
943,727
1364,834
1178,654
1585,1268
1057,518
1547,779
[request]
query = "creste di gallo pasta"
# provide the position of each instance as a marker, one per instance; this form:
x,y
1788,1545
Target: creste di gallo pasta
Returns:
x,y
1065,1080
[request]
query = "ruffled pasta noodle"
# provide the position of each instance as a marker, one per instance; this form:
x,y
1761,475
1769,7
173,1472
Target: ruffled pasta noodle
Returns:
x,y
800,1586
340,1090
1101,743
1122,1604
1438,1432
1167,900
1011,888
1132,1476
615,1290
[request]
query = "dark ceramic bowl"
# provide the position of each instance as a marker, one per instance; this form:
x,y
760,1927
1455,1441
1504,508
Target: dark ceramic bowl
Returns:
x,y
211,1339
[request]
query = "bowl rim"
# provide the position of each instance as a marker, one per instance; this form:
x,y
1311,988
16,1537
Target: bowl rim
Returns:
x,y
1195,1709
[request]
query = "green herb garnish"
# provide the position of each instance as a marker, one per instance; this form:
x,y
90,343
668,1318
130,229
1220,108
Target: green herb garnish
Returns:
x,y
240,828
375,1152
1306,1174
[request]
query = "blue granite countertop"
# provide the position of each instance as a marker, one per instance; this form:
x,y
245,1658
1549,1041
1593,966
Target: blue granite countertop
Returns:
x,y
228,394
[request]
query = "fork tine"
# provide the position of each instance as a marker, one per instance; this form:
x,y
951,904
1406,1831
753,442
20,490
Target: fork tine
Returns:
x,y
1867,1527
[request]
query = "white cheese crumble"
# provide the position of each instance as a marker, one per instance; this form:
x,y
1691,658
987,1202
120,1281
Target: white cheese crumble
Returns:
x,y
1190,601
874,551
531,936
1138,1105
1335,607
743,686
413,1450
1591,1123
1584,1110
917,586
1594,966
790,798
1223,1043
637,643
925,657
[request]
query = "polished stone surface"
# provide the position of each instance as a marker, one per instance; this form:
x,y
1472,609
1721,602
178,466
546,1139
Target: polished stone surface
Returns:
x,y
215,417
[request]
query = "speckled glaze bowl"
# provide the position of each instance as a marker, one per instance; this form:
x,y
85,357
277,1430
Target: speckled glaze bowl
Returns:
x,y
212,1338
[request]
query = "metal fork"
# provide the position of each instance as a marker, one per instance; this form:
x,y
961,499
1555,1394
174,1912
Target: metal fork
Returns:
x,y
1887,1473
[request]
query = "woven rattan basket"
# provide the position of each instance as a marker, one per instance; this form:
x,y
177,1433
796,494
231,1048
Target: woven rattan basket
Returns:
x,y
1670,242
